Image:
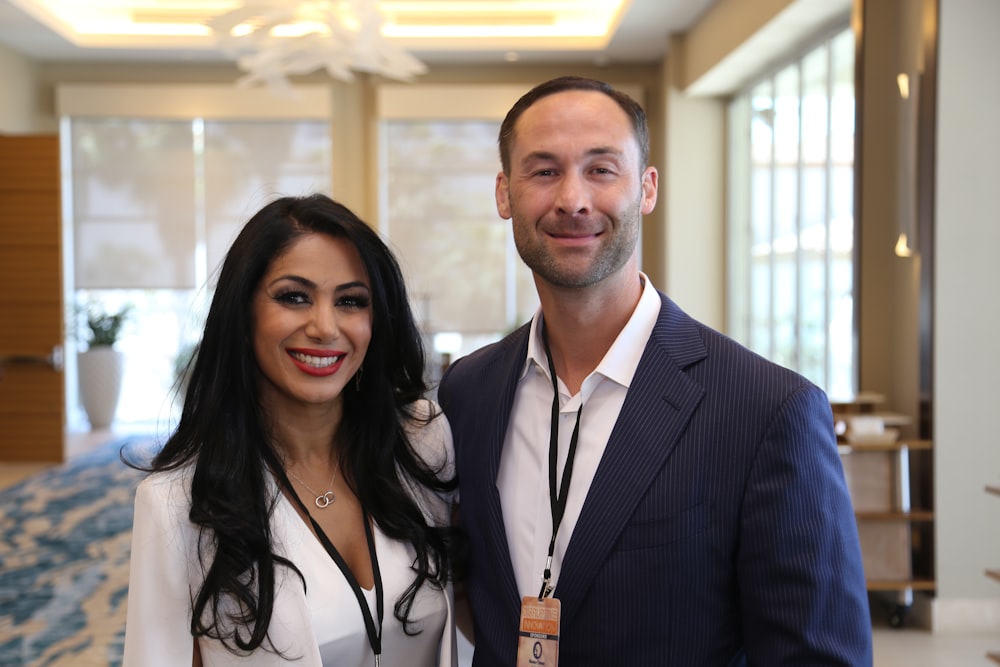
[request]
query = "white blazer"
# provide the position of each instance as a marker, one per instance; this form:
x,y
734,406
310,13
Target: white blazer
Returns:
x,y
166,573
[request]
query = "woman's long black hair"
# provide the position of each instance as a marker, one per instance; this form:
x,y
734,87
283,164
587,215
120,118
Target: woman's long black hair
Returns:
x,y
223,428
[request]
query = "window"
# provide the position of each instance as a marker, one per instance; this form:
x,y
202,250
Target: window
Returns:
x,y
791,225
468,285
153,206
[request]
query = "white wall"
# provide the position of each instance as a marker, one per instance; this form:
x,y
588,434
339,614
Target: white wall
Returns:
x,y
694,198
967,314
17,93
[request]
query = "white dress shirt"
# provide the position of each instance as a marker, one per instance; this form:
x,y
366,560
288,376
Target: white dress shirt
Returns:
x,y
523,479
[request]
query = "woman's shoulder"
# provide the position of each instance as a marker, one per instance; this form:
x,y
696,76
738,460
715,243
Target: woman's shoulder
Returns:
x,y
422,409
163,510
168,487
430,435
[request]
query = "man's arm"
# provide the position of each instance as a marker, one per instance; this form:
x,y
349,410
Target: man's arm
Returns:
x,y
463,611
800,572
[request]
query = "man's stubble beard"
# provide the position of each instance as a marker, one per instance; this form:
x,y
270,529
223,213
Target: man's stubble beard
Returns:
x,y
611,256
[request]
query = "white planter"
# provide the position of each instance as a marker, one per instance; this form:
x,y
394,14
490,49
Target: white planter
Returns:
x,y
100,370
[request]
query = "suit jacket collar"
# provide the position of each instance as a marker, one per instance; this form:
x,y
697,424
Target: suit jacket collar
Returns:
x,y
657,408
507,365
659,403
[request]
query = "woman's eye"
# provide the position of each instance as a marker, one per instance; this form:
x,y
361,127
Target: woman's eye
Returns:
x,y
356,301
291,298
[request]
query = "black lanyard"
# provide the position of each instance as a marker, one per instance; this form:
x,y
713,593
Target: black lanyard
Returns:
x,y
557,501
374,633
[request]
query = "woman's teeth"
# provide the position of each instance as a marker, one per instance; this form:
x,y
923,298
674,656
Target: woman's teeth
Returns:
x,y
315,362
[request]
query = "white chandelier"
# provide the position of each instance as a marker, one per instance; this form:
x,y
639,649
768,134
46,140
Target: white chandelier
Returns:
x,y
271,40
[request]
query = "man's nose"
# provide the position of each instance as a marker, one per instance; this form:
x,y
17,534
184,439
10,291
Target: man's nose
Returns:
x,y
573,196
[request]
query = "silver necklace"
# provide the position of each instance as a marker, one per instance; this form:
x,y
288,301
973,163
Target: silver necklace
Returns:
x,y
323,500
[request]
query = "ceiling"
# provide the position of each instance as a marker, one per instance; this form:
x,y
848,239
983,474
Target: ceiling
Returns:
x,y
638,32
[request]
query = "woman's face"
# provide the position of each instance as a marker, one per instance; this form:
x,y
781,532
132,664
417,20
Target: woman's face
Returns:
x,y
312,322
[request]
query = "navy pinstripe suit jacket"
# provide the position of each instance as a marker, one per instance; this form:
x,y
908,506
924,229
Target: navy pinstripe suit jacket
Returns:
x,y
718,529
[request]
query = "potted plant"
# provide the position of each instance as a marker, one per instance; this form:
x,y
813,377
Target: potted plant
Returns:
x,y
101,366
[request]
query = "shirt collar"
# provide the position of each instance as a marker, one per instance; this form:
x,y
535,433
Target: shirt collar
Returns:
x,y
621,361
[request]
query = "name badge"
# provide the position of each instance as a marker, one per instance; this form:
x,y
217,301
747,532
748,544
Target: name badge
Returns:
x,y
538,635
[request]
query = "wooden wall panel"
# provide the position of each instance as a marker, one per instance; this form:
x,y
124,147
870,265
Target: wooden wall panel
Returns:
x,y
32,396
35,327
30,162
22,385
31,265
23,210
32,437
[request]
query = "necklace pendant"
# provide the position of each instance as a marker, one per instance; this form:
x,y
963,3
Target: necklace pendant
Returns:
x,y
325,500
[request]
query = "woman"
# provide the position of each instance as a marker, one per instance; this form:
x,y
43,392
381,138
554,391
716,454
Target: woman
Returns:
x,y
300,511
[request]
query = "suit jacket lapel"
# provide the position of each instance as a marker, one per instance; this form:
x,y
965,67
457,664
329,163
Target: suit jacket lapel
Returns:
x,y
499,386
658,405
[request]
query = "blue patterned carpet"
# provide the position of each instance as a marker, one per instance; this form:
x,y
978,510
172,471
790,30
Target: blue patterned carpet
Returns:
x,y
64,561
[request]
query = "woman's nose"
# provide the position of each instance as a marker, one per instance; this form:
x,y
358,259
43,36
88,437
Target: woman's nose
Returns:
x,y
322,325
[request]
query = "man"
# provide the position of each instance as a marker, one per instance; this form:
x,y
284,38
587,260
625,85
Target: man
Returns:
x,y
682,502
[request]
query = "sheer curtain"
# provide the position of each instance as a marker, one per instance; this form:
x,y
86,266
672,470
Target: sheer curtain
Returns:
x,y
467,282
438,165
151,205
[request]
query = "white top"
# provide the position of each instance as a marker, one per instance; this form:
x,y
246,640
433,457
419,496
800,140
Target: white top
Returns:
x,y
523,479
321,626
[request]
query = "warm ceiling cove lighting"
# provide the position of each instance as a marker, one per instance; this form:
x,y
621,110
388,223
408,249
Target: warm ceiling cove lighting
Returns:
x,y
271,40
415,19
409,19
111,23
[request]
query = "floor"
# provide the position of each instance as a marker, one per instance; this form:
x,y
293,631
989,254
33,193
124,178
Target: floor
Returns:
x,y
919,648
74,445
907,647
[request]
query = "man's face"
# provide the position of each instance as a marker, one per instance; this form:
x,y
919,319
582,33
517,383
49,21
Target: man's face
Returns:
x,y
576,192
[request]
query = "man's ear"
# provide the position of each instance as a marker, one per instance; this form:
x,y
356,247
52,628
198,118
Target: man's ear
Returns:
x,y
503,196
649,184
